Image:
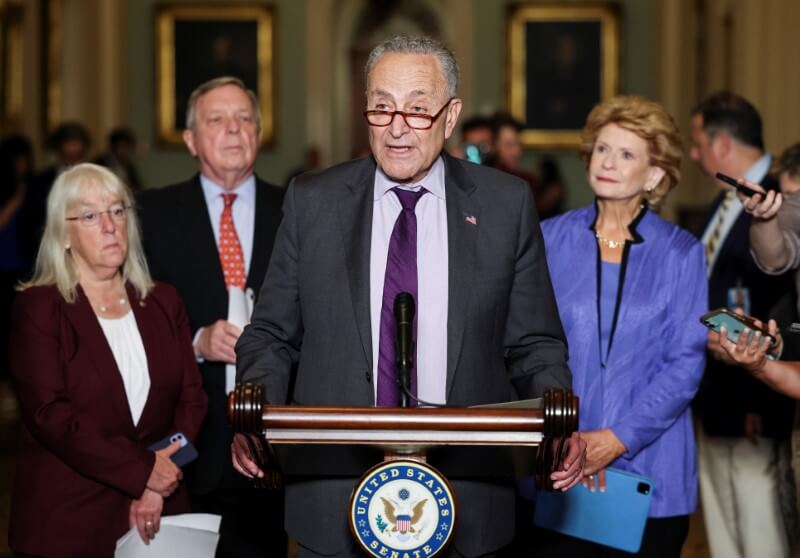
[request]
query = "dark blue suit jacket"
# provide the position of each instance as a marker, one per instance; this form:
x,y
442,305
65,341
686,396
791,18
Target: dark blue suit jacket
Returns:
x,y
179,242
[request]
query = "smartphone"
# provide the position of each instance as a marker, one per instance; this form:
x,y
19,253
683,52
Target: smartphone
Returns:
x,y
734,323
749,192
183,456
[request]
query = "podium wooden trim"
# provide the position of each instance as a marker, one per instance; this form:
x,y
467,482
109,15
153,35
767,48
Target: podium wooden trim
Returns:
x,y
410,432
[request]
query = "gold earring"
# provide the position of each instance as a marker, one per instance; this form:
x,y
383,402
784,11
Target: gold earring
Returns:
x,y
67,247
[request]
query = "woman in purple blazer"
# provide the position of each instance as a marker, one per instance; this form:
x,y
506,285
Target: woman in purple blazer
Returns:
x,y
103,368
630,288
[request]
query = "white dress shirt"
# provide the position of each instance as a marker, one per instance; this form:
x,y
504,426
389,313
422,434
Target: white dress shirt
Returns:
x,y
432,278
244,216
126,345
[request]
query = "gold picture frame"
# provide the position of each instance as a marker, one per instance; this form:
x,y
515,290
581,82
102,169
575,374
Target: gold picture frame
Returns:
x,y
52,50
12,56
562,60
198,42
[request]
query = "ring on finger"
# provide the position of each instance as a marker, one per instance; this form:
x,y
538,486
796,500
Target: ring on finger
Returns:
x,y
148,523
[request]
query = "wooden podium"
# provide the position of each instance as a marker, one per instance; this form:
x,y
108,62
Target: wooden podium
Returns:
x,y
407,433
403,507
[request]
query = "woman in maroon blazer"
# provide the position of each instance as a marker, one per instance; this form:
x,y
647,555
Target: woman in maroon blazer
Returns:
x,y
104,368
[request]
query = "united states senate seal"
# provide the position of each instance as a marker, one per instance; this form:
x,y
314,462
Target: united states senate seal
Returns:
x,y
402,509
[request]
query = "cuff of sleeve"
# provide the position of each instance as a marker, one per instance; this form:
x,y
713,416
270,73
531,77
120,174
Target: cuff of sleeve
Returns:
x,y
136,481
628,439
791,257
196,338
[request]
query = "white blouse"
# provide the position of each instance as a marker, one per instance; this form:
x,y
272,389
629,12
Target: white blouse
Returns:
x,y
126,344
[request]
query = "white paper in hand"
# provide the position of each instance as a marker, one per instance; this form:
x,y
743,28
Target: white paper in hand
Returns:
x,y
191,535
240,307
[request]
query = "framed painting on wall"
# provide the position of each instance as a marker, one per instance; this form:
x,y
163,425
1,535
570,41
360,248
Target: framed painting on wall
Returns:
x,y
199,42
11,65
562,60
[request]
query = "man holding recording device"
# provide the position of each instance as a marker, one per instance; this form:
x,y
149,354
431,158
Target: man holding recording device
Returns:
x,y
775,241
741,419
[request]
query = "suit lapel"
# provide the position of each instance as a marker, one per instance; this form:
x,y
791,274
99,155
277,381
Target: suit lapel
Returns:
x,y
463,220
196,226
355,224
93,341
153,340
261,241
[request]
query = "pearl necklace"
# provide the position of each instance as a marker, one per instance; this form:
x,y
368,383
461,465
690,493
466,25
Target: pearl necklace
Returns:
x,y
613,244
121,302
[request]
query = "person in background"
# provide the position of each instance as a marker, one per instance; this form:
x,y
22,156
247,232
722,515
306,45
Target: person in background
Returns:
x,y
119,157
507,151
551,189
16,174
211,236
626,279
743,422
103,369
775,246
70,142
757,355
775,232
476,140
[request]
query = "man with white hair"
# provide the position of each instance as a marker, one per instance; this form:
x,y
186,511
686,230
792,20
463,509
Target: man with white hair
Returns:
x,y
211,237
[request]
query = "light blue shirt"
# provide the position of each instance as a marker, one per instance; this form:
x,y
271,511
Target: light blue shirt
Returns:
x,y
609,286
244,212
432,267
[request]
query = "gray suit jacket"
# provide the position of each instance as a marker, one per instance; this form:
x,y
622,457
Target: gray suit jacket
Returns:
x,y
504,336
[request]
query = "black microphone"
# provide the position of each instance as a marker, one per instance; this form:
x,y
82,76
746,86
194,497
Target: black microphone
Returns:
x,y
404,310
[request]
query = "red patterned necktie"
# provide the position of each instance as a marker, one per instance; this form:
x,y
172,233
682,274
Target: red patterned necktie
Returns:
x,y
230,251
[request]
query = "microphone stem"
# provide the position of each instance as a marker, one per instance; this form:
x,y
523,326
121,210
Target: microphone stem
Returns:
x,y
405,384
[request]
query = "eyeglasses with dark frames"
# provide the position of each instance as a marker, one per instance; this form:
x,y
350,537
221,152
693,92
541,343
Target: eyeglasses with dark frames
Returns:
x,y
383,118
118,213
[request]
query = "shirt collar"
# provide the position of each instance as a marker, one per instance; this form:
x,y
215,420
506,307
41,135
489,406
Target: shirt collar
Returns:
x,y
759,170
246,191
433,181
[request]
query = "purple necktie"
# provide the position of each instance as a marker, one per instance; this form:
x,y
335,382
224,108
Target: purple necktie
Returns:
x,y
401,276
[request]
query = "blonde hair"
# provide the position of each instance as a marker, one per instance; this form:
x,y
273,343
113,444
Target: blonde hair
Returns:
x,y
54,264
651,122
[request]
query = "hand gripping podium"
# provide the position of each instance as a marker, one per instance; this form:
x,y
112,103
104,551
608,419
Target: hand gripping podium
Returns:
x,y
403,507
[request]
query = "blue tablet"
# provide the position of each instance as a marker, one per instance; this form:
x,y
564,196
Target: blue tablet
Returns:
x,y
614,518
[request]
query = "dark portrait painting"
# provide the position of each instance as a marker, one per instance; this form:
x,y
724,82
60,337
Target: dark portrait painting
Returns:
x,y
562,61
209,49
563,66
203,42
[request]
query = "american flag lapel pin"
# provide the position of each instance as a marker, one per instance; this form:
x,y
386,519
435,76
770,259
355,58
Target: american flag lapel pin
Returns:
x,y
471,219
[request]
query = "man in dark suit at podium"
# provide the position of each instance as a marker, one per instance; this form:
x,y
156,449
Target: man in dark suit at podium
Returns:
x,y
210,236
465,241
